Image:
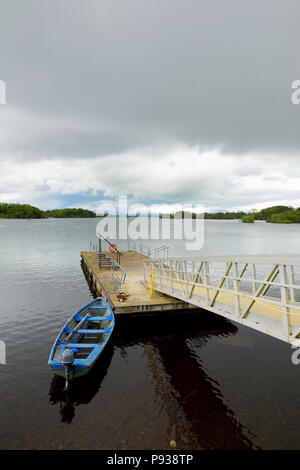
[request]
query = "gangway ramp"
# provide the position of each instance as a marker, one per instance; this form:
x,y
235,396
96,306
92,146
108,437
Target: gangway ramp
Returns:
x,y
261,292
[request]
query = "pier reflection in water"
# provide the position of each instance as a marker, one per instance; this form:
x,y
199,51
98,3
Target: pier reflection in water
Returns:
x,y
198,416
183,391
193,400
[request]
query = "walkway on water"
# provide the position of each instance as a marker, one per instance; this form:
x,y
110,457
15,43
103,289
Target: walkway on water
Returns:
x,y
262,292
102,280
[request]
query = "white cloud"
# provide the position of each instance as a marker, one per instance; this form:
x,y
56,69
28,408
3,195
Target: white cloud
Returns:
x,y
178,175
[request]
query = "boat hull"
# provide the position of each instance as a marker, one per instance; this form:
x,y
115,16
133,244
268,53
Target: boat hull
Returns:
x,y
75,373
87,334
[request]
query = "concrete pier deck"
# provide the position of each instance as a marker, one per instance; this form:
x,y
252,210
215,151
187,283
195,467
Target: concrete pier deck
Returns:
x,y
138,300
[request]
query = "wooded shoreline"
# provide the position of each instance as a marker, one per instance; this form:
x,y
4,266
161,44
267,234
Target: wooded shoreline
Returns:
x,y
273,214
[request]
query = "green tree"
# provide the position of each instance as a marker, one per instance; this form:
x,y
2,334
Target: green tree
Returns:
x,y
248,219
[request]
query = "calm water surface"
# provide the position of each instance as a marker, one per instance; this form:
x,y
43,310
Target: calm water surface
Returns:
x,y
202,381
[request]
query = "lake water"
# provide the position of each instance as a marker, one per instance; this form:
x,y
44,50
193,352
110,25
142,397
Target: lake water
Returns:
x,y
204,382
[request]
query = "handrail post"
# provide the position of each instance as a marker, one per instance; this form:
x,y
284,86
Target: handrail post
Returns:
x,y
284,299
207,280
291,276
236,289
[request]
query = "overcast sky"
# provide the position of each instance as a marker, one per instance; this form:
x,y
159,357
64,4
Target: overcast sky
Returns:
x,y
167,101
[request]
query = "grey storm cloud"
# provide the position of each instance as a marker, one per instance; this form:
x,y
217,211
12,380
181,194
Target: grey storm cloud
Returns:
x,y
202,72
97,78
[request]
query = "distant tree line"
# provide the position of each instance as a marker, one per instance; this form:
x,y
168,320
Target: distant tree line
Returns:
x,y
273,214
26,211
65,213
20,211
225,215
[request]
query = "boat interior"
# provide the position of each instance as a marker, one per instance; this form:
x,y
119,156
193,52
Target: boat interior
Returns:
x,y
88,327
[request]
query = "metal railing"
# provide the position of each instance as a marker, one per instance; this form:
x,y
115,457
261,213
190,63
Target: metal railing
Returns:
x,y
262,292
145,250
93,246
116,251
117,279
89,269
161,251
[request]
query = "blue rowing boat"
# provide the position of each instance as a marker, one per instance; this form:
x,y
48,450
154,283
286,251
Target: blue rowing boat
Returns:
x,y
82,340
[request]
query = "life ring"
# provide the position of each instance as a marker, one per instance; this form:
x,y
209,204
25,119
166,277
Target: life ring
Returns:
x,y
113,248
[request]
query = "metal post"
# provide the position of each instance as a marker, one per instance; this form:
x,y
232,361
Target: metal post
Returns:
x,y
236,289
284,299
207,281
254,285
160,267
227,280
291,276
185,278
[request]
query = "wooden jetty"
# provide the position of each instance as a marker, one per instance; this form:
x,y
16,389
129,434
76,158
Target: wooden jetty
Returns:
x,y
138,301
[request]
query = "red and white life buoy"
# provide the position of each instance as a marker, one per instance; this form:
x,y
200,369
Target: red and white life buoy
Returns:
x,y
113,248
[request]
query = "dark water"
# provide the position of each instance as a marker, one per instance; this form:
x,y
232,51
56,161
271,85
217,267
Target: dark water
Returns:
x,y
201,381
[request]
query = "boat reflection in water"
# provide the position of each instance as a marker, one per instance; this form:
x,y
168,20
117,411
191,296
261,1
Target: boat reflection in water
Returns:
x,y
196,415
83,391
